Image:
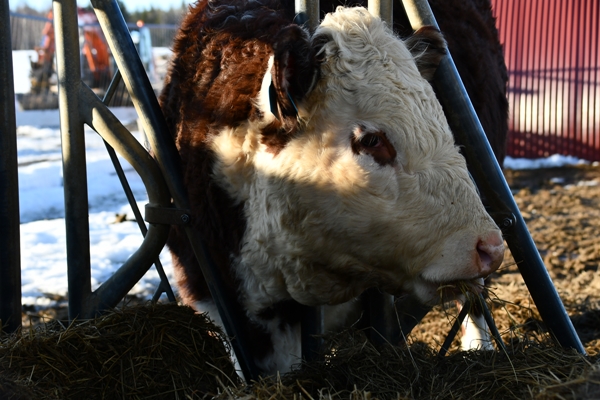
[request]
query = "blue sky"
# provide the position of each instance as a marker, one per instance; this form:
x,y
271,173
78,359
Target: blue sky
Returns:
x,y
132,5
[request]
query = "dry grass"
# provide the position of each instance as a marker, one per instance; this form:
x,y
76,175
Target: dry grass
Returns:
x,y
358,370
143,352
168,352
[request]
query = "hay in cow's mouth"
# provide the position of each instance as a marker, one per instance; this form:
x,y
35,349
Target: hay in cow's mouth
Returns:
x,y
450,290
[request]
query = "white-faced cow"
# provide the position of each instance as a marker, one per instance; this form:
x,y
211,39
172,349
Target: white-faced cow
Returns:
x,y
317,167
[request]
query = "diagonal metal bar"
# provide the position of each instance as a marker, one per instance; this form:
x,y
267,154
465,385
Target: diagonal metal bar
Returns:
x,y
164,286
455,327
95,113
489,320
489,178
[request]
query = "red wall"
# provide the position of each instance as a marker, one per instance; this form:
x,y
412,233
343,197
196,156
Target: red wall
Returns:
x,y
551,51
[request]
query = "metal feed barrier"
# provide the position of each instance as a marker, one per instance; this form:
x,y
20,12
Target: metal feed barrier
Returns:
x,y
79,106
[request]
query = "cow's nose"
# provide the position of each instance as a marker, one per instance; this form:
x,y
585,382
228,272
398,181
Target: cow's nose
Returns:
x,y
490,250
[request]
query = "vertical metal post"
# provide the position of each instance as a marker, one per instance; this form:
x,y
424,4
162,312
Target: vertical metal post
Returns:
x,y
382,9
307,12
379,315
312,326
313,319
489,178
73,152
10,257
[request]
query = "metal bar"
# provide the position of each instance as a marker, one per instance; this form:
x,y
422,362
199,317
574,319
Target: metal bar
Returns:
x,y
410,312
527,60
489,320
312,326
466,308
382,9
312,323
10,256
545,45
490,180
232,314
380,316
455,327
164,286
73,150
96,114
307,13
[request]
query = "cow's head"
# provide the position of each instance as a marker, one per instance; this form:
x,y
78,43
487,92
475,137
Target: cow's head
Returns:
x,y
348,171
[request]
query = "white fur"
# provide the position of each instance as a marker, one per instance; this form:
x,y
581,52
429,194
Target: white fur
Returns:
x,y
475,334
324,223
263,102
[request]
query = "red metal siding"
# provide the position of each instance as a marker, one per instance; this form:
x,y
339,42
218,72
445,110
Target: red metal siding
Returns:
x,y
551,51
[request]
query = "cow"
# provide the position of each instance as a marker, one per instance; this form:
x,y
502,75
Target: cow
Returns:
x,y
317,166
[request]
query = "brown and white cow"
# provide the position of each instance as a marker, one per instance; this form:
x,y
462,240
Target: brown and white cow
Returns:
x,y
317,167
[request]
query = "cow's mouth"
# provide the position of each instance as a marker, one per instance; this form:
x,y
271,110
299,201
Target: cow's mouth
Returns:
x,y
451,290
433,293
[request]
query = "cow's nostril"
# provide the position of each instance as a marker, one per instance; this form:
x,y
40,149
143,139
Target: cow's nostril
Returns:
x,y
485,258
490,253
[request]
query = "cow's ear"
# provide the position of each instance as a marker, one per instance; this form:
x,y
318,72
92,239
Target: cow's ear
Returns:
x,y
428,47
293,73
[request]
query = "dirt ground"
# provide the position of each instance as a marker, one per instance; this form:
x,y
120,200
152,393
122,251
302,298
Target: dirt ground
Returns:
x,y
561,207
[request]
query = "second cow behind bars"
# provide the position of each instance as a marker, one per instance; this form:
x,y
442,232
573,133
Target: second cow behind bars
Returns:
x,y
317,166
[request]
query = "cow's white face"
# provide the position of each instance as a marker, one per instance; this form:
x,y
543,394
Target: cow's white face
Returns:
x,y
371,192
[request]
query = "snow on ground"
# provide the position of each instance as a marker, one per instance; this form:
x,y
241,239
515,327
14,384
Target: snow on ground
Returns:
x,y
556,160
41,200
21,68
43,254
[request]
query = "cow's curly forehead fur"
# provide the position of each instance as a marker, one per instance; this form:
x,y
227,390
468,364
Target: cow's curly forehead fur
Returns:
x,y
371,75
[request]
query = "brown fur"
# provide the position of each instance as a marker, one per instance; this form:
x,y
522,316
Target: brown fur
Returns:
x,y
215,74
200,98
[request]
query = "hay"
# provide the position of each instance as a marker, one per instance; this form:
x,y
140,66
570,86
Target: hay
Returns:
x,y
169,352
142,352
356,369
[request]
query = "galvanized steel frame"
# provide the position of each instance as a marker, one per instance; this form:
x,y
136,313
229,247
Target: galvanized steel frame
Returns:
x,y
79,106
10,256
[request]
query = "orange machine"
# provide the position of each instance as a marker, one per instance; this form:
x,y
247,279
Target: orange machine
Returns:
x,y
94,50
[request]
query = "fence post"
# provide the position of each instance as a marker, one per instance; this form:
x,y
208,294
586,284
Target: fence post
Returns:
x,y
10,257
73,149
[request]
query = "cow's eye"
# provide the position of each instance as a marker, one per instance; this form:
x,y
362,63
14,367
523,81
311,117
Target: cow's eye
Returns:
x,y
370,140
375,144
